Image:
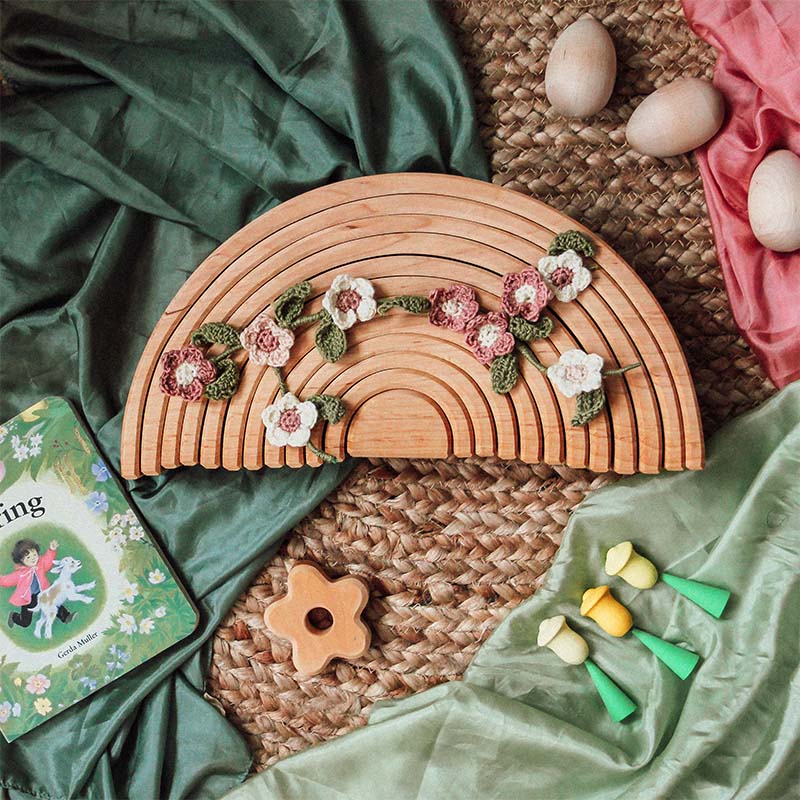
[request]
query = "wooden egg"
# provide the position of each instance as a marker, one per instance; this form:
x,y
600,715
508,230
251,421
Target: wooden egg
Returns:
x,y
773,201
676,118
581,70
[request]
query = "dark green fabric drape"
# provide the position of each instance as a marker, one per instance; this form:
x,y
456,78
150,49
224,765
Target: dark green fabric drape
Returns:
x,y
141,136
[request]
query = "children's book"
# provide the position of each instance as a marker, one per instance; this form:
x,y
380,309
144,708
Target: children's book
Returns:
x,y
85,593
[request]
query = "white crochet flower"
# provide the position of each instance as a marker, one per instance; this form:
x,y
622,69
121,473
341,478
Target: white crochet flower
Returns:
x,y
576,372
289,421
565,275
350,299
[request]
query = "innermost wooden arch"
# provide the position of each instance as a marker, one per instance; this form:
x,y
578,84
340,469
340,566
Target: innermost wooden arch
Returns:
x,y
381,424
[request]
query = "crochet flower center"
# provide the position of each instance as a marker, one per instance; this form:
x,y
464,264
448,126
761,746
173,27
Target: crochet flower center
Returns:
x,y
453,308
289,420
576,373
487,335
562,276
186,373
527,293
348,300
267,341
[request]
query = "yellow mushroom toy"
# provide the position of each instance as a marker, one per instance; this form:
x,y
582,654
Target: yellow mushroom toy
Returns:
x,y
600,605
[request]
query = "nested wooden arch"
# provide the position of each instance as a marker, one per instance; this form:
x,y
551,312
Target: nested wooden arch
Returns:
x,y
412,389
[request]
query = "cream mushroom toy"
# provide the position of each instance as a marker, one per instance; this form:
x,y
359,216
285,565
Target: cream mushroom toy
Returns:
x,y
556,634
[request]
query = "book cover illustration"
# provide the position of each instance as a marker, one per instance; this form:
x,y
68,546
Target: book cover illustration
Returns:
x,y
85,594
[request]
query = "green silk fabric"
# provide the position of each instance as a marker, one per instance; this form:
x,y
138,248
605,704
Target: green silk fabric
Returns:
x,y
522,724
143,135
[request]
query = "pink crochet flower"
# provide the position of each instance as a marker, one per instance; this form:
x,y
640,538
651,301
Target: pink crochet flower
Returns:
x,y
266,342
186,374
525,294
453,307
488,337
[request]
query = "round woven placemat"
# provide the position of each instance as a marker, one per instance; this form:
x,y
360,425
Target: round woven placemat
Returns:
x,y
450,547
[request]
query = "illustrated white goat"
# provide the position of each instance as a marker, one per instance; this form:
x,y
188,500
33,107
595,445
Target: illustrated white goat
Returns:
x,y
61,591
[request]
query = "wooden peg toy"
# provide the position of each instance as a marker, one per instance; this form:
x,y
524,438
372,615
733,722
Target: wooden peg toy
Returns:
x,y
321,618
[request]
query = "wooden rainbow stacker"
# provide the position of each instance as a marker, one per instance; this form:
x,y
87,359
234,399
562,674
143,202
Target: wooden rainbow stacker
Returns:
x,y
411,389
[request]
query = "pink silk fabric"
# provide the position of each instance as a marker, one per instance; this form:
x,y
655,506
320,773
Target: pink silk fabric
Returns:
x,y
758,72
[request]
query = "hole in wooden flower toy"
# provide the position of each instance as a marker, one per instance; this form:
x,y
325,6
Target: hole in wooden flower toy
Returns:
x,y
319,619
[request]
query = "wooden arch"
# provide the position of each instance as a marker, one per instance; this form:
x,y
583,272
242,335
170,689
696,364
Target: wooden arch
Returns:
x,y
412,389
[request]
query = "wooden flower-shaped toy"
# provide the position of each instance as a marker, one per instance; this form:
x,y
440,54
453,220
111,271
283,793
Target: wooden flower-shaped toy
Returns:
x,y
312,601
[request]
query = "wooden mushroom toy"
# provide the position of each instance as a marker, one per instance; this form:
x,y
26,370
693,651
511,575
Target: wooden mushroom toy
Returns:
x,y
312,598
773,201
581,69
676,118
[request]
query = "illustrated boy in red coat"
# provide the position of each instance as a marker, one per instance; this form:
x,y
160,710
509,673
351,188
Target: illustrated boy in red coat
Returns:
x,y
29,577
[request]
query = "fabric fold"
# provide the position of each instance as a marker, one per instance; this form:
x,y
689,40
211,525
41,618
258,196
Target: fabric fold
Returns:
x,y
140,137
758,73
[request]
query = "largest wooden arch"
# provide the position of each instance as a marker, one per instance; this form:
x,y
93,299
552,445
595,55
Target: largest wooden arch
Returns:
x,y
413,390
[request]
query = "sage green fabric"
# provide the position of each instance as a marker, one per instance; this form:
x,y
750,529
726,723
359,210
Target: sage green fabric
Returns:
x,y
142,135
524,725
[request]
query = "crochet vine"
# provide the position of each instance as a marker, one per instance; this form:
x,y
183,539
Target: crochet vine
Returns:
x,y
497,339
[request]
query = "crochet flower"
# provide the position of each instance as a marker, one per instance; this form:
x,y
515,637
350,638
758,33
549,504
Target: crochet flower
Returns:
x,y
488,337
266,342
525,294
576,372
350,299
565,275
453,307
289,421
187,372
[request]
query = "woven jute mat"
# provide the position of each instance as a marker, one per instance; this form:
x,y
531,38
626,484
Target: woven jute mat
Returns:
x,y
450,547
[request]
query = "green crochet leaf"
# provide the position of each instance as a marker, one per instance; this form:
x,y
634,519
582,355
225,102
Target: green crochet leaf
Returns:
x,y
289,306
330,407
525,331
587,406
413,303
226,383
216,333
504,373
330,340
571,240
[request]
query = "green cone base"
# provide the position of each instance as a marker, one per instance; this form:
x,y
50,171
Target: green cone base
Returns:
x,y
680,660
617,703
710,598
